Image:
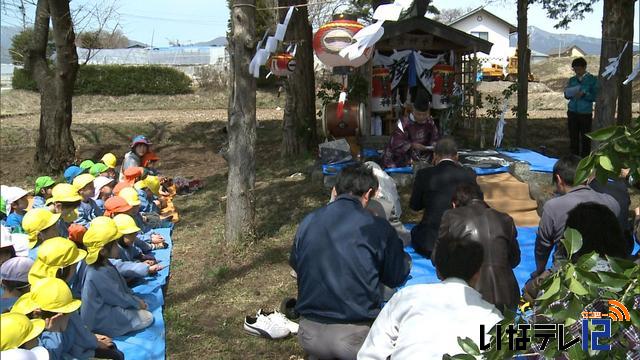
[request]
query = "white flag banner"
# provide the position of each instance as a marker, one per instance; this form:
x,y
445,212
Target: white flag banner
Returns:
x,y
423,68
398,63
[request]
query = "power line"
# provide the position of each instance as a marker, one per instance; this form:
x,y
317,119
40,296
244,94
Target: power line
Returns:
x,y
188,21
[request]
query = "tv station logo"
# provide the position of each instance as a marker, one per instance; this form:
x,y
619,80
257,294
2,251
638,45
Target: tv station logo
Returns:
x,y
596,327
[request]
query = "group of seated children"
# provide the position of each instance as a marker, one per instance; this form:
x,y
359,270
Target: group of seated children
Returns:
x,y
91,239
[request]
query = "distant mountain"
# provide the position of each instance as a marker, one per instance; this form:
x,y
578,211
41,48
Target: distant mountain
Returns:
x,y
548,43
219,41
6,34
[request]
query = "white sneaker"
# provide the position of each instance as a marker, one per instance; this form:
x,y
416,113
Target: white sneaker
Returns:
x,y
261,325
279,318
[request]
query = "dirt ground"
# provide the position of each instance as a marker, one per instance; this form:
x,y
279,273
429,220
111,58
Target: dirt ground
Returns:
x,y
213,285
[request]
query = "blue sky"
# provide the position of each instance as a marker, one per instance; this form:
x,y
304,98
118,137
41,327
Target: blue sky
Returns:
x,y
200,20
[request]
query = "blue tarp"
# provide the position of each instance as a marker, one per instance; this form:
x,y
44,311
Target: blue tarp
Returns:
x,y
150,342
537,161
490,171
423,272
479,171
334,169
401,170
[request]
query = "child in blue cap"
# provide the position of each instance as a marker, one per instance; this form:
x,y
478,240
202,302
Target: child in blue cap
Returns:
x,y
71,172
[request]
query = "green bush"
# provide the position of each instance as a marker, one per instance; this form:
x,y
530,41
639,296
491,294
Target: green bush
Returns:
x,y
22,80
119,80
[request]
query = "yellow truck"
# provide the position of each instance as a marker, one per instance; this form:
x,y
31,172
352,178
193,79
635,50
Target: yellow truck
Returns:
x,y
497,72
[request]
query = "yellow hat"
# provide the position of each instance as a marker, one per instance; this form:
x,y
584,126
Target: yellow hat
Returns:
x,y
83,180
48,294
54,254
64,193
36,220
126,224
102,231
130,195
17,329
151,182
110,160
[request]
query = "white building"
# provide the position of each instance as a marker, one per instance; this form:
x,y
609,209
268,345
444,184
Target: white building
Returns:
x,y
487,26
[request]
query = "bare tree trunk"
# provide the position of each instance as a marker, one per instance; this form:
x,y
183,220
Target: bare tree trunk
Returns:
x,y
523,73
299,123
626,64
612,44
55,143
240,217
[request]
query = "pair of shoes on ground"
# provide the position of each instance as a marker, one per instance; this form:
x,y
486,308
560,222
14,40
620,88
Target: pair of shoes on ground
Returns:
x,y
270,325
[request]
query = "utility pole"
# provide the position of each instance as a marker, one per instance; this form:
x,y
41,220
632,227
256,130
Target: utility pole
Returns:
x,y
24,15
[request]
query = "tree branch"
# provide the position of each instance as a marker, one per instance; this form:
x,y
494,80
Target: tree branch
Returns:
x,y
66,55
36,61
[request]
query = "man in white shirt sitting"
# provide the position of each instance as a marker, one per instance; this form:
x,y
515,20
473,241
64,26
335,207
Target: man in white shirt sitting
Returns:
x,y
424,321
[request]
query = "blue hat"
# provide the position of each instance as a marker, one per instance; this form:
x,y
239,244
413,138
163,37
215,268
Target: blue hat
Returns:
x,y
140,139
71,172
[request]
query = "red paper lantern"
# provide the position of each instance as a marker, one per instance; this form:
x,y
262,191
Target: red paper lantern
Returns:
x,y
380,89
282,64
335,36
443,77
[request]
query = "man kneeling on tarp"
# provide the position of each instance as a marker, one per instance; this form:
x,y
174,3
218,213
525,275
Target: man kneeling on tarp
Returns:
x,y
342,253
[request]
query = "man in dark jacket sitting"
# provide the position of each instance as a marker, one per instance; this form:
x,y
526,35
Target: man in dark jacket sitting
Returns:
x,y
432,191
471,218
342,253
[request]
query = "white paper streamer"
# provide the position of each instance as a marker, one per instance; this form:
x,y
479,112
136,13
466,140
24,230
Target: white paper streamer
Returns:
x,y
370,35
388,12
633,74
270,45
611,69
280,31
497,139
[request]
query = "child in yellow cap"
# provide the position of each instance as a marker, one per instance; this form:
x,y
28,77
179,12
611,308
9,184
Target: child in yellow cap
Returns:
x,y
148,190
40,225
131,196
134,264
65,336
17,330
109,305
88,209
57,257
110,160
66,200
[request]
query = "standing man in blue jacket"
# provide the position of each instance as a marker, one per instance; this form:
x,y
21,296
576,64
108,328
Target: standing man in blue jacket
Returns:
x,y
342,254
581,91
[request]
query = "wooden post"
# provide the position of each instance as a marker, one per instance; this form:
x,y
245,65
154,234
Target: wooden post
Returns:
x,y
523,73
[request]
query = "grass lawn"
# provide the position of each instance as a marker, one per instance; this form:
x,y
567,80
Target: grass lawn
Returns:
x,y
213,285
